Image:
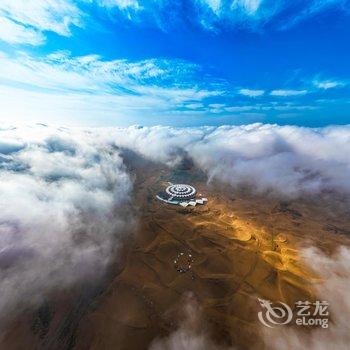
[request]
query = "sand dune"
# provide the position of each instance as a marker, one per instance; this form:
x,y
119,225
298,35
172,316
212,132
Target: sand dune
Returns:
x,y
242,247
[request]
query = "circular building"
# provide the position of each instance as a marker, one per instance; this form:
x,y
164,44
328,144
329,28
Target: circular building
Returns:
x,y
181,192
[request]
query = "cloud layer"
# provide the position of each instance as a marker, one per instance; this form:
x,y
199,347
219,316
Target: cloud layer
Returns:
x,y
216,14
62,211
284,160
65,192
26,21
89,90
61,87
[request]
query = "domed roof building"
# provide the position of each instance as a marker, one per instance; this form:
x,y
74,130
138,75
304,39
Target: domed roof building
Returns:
x,y
181,194
181,191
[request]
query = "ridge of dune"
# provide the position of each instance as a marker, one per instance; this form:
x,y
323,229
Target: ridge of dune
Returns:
x,y
239,252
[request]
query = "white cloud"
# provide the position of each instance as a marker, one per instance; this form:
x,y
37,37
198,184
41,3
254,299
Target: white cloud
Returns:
x,y
251,93
194,105
282,160
216,105
192,332
60,216
214,5
269,106
15,33
215,14
121,4
240,108
61,87
311,8
328,84
286,93
290,107
25,21
89,73
248,6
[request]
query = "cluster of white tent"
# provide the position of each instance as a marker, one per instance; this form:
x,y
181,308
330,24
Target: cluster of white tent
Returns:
x,y
193,202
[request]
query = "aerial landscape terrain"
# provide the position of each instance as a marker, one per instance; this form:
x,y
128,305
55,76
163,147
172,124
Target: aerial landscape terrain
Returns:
x,y
174,274
174,174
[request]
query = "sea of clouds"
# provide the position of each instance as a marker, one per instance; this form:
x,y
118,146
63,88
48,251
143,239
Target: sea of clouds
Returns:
x,y
283,160
62,199
65,195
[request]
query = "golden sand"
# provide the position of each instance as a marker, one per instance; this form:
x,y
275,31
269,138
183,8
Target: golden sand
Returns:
x,y
243,247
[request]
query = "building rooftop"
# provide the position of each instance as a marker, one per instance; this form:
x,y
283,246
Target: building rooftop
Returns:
x,y
181,194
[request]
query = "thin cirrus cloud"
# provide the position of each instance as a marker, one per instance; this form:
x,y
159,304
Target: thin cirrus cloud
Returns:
x,y
88,89
14,33
214,14
313,7
121,4
328,84
26,21
287,93
61,86
251,92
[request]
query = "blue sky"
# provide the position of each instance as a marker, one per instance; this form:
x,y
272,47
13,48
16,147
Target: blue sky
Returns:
x,y
182,63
